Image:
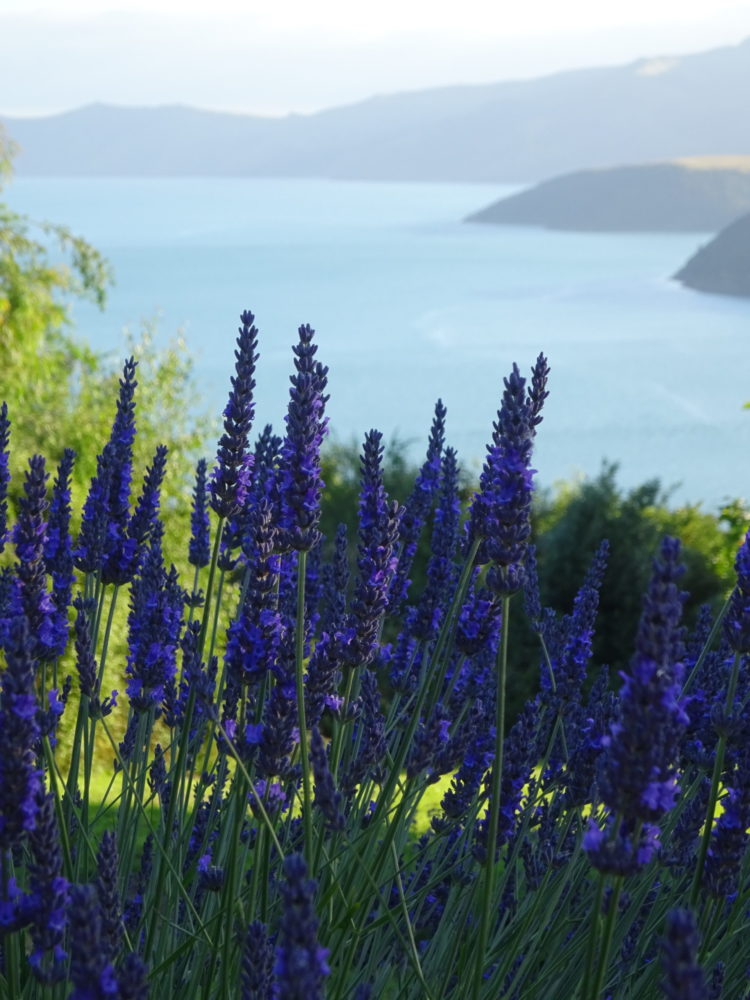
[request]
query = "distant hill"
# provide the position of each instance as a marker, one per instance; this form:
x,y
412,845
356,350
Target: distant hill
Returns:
x,y
692,195
723,265
512,132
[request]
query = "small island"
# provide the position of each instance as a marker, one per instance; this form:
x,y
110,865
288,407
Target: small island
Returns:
x,y
723,265
688,195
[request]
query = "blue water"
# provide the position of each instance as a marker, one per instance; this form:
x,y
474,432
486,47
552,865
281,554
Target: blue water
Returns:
x,y
410,304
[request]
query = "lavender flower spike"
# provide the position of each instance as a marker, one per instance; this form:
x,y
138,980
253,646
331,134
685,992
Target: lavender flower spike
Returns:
x,y
639,777
500,512
683,979
301,966
199,549
4,472
301,484
737,620
229,479
19,732
378,531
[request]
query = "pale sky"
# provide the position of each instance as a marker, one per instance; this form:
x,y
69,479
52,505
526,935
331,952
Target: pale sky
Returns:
x,y
299,56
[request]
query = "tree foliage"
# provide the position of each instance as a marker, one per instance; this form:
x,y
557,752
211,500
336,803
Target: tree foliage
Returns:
x,y
59,392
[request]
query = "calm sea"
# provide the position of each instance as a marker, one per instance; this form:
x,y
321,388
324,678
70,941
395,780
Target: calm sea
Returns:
x,y
410,305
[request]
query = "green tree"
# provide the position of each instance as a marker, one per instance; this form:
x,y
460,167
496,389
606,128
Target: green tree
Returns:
x,y
59,392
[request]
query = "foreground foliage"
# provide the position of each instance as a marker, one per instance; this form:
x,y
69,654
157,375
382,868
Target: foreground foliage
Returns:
x,y
285,713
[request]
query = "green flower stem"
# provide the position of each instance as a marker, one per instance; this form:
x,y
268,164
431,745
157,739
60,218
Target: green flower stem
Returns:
x,y
715,781
488,883
591,949
609,927
210,587
299,667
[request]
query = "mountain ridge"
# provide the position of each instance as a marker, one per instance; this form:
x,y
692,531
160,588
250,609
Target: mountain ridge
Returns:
x,y
514,131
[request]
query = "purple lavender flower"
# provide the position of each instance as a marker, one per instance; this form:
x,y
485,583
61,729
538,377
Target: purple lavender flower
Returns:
x,y
417,507
571,663
154,625
335,583
19,732
29,536
378,527
132,978
478,623
683,976
300,482
257,964
108,895
86,663
728,841
58,552
253,637
615,851
199,552
230,477
737,620
145,512
47,900
4,472
368,737
441,569
501,509
116,567
301,966
639,777
327,798
92,973
92,537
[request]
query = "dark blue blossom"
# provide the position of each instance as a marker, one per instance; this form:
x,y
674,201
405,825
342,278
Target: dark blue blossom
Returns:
x,y
301,963
29,536
478,622
570,664
19,733
639,778
154,625
145,513
441,568
327,798
737,619
257,964
58,552
417,507
615,851
368,737
378,528
231,475
683,976
46,904
108,893
300,482
728,841
500,511
132,978
90,970
86,663
199,551
4,472
335,583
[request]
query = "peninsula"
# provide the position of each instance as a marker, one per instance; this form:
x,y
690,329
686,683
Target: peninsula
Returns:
x,y
700,194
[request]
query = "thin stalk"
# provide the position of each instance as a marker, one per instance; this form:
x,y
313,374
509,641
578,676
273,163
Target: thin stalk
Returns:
x,y
715,780
614,902
591,949
307,817
209,588
494,805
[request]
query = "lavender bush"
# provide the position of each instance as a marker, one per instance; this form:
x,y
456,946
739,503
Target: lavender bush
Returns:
x,y
239,820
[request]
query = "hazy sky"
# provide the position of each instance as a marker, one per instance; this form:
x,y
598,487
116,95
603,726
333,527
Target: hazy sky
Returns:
x,y
298,55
